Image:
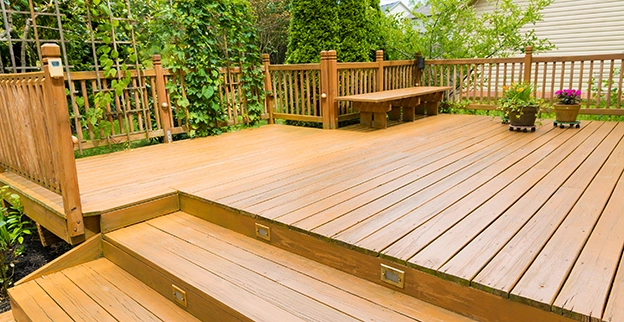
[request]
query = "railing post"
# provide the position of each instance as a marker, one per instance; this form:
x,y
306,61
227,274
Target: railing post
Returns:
x,y
327,98
166,118
528,62
380,70
332,69
268,86
61,136
418,71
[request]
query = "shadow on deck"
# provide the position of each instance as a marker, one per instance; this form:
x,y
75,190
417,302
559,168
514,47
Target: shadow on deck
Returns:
x,y
492,224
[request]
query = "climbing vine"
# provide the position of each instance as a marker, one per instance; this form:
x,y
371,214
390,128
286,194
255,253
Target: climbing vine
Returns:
x,y
209,35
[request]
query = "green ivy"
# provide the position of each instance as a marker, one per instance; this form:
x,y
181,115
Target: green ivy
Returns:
x,y
209,35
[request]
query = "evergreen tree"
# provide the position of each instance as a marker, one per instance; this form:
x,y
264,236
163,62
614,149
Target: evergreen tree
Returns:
x,y
313,28
354,39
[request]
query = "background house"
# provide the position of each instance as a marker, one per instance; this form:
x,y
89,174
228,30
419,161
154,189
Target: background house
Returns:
x,y
578,27
397,7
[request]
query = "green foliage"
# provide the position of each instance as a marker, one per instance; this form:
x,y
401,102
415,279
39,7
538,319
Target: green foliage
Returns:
x,y
605,94
354,43
314,27
271,22
13,228
516,98
455,30
208,35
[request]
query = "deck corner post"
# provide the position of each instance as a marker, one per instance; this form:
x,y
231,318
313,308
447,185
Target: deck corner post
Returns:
x,y
325,90
528,62
60,133
380,70
332,69
166,118
268,87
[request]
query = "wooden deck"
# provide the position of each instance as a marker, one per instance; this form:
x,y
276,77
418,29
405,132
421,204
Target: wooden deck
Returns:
x,y
533,217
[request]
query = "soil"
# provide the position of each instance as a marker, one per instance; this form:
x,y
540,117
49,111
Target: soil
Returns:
x,y
34,257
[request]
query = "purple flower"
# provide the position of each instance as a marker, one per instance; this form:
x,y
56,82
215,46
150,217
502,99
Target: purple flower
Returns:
x,y
558,92
578,92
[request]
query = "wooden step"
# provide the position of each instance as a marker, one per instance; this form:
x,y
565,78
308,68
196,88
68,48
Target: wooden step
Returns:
x,y
226,276
94,291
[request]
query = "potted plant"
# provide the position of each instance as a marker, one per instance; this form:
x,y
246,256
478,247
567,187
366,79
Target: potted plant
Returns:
x,y
519,105
567,107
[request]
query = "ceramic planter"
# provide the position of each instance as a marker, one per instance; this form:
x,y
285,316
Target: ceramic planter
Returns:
x,y
566,113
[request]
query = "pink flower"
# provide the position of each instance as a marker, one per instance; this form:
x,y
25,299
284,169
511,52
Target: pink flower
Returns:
x,y
558,92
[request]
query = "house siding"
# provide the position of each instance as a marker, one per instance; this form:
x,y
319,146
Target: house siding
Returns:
x,y
578,27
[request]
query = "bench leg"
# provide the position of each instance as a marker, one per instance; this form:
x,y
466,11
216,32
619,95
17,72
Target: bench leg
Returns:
x,y
420,109
379,121
408,114
366,119
395,113
432,108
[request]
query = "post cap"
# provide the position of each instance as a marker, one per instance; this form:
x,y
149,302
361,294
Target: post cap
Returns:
x,y
50,50
528,50
156,59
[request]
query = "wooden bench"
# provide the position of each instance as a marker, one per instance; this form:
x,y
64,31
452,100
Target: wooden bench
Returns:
x,y
413,100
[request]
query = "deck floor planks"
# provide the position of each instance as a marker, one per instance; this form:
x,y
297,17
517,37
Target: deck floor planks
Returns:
x,y
462,170
469,261
36,304
72,299
415,231
549,175
505,270
298,210
308,168
329,178
428,178
407,207
301,283
584,291
117,303
614,310
546,275
348,283
159,305
380,196
220,190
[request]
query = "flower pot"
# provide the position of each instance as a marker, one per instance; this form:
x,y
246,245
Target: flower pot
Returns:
x,y
526,117
566,112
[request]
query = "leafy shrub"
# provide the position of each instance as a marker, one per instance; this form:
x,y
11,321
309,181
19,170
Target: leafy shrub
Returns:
x,y
13,228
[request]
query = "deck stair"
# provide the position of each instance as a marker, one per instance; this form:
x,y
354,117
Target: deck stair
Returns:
x,y
206,272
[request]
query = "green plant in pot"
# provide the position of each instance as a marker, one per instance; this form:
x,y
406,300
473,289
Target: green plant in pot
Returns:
x,y
567,106
519,105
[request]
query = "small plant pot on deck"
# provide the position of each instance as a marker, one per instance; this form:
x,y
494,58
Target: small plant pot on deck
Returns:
x,y
524,117
566,113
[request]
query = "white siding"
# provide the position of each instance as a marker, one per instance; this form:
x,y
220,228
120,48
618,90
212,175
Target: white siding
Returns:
x,y
579,27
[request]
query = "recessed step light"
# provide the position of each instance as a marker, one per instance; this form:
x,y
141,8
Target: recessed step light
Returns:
x,y
392,276
263,232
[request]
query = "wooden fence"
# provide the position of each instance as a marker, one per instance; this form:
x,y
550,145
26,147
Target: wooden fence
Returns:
x,y
35,137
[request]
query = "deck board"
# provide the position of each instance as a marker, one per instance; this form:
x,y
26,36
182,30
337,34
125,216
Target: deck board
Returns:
x,y
527,216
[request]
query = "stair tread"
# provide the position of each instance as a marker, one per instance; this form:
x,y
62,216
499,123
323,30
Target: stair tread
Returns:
x,y
94,291
261,282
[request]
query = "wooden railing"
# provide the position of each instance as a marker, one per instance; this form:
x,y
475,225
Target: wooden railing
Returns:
x,y
479,82
306,92
35,136
144,109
